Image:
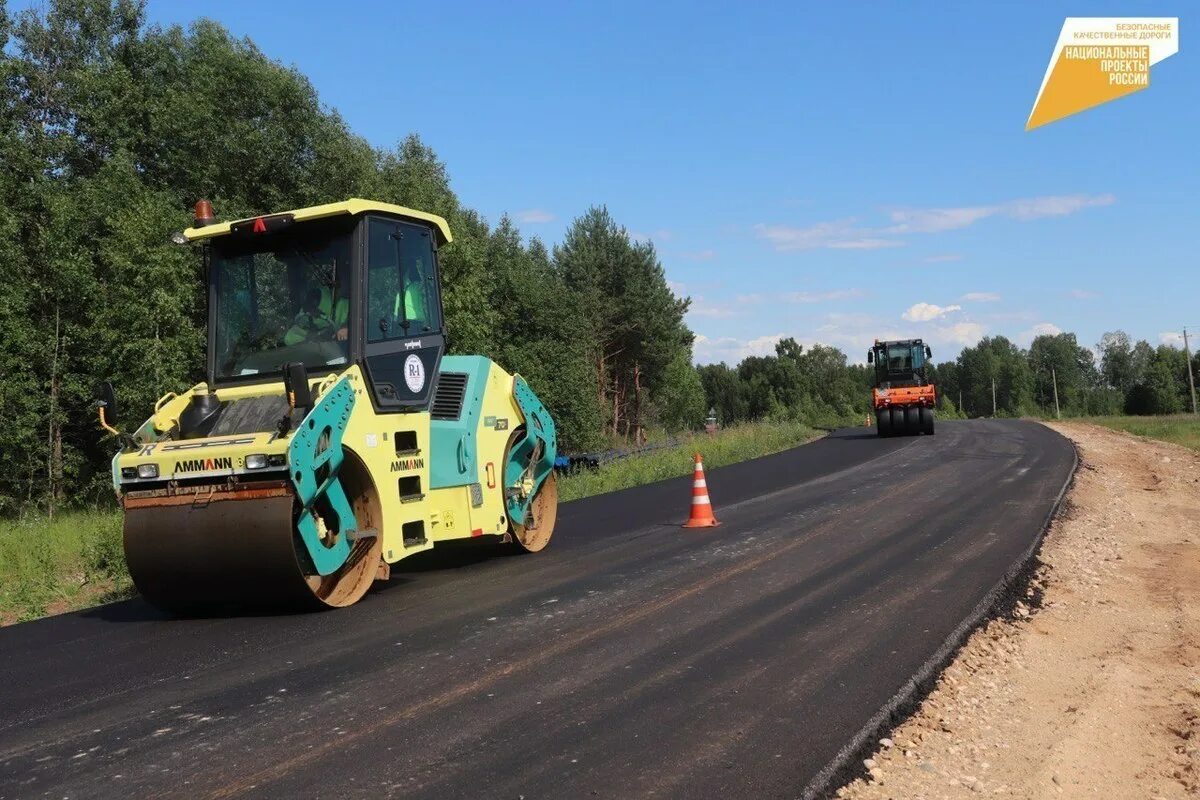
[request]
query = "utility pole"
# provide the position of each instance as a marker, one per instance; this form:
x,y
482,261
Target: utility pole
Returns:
x,y
1054,378
1191,379
993,396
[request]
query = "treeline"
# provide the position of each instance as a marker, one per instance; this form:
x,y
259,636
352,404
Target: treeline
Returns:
x,y
994,377
110,130
1117,377
816,386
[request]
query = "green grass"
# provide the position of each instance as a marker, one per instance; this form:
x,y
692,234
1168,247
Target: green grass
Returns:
x,y
71,562
1181,429
727,446
76,560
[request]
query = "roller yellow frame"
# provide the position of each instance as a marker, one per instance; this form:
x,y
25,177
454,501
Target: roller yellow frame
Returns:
x,y
333,435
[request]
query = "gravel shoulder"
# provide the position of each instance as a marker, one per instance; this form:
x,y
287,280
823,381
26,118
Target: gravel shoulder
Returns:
x,y
1091,687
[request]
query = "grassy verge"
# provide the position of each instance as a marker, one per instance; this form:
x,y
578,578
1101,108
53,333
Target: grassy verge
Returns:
x,y
738,443
71,562
1181,429
76,560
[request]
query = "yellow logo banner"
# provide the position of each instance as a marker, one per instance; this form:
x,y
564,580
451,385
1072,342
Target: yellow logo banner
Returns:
x,y
1097,59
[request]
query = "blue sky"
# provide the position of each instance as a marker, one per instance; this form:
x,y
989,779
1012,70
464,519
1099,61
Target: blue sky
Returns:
x,y
818,172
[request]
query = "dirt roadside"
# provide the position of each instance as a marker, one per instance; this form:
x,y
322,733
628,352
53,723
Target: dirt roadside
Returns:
x,y
1096,691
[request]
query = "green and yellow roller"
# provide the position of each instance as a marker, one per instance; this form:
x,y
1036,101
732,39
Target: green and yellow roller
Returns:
x,y
333,436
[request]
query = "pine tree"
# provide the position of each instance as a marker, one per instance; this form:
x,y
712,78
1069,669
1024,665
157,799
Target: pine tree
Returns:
x,y
630,317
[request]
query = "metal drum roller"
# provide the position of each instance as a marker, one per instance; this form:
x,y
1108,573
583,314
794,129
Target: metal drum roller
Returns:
x,y
270,545
233,551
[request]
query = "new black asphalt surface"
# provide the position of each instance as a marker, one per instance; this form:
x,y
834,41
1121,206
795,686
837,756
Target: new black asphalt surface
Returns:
x,y
632,658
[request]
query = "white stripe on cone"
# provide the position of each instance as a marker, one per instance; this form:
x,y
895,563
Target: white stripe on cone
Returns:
x,y
700,484
700,501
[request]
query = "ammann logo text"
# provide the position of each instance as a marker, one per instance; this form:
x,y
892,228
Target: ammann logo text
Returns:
x,y
203,464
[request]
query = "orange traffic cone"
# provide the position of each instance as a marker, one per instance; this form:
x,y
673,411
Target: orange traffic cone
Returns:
x,y
702,513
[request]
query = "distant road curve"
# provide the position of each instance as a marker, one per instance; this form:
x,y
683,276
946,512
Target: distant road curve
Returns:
x,y
631,659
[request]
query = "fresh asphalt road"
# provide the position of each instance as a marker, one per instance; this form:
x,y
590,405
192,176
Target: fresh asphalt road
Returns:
x,y
632,658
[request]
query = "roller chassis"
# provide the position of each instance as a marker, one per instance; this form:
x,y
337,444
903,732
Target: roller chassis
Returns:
x,y
274,506
903,399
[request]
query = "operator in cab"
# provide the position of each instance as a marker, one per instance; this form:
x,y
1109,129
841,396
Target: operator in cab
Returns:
x,y
320,317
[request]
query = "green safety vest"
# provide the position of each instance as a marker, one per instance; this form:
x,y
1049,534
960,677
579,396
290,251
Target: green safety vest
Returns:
x,y
414,304
329,316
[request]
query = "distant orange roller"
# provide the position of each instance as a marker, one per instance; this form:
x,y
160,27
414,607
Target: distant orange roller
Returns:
x,y
702,513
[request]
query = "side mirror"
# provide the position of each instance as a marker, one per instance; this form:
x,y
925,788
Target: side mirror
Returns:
x,y
870,356
106,410
928,352
108,403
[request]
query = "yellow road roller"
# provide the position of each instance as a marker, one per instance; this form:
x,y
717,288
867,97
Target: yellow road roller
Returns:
x,y
333,435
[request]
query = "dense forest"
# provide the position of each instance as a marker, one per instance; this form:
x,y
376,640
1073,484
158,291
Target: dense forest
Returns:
x,y
111,129
995,377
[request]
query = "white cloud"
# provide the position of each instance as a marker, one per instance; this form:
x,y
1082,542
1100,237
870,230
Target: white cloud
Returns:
x,y
864,243
847,234
981,297
960,333
936,220
763,345
699,255
534,216
1083,294
710,351
839,235
822,297
855,333
942,258
1026,337
1056,206
731,350
1173,338
924,312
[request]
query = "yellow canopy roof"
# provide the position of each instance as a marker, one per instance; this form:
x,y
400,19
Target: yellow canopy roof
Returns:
x,y
352,206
